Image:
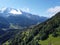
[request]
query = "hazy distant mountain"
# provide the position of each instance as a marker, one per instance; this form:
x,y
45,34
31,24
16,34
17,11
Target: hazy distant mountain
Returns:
x,y
20,18
3,23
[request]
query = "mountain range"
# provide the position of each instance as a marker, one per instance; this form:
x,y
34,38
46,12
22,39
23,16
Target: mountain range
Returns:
x,y
46,33
13,21
15,18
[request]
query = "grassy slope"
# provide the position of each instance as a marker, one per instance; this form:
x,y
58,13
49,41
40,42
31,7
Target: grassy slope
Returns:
x,y
51,40
53,22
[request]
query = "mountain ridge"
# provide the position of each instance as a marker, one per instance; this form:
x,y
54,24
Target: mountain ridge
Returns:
x,y
40,32
23,19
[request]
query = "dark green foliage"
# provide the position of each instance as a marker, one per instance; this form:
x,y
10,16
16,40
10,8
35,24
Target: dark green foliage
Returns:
x,y
44,36
39,32
54,34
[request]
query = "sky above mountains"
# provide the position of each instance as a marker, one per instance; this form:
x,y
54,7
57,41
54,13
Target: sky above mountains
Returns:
x,y
45,8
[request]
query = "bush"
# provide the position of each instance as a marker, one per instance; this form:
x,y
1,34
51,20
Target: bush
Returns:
x,y
44,36
54,34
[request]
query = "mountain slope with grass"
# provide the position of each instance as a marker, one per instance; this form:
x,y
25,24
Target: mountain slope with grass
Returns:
x,y
46,33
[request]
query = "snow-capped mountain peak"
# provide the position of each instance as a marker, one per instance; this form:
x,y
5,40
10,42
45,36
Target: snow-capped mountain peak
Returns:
x,y
10,10
13,11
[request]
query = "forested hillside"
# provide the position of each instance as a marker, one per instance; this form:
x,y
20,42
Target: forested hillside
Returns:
x,y
46,33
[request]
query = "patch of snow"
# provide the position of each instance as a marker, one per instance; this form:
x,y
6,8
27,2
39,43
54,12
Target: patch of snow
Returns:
x,y
15,11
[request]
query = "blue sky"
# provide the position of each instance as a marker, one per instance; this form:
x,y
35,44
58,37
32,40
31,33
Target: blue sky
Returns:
x,y
45,8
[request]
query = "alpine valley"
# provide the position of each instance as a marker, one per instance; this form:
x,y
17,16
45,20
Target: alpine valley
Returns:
x,y
22,28
45,33
13,21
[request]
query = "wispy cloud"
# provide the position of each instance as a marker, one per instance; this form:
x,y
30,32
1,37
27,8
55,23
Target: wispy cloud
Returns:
x,y
26,9
53,10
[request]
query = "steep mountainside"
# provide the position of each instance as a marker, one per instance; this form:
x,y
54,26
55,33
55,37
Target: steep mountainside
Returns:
x,y
20,18
13,21
38,34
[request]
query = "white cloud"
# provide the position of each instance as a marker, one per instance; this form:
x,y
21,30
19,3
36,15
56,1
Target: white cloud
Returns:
x,y
2,9
52,11
25,9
